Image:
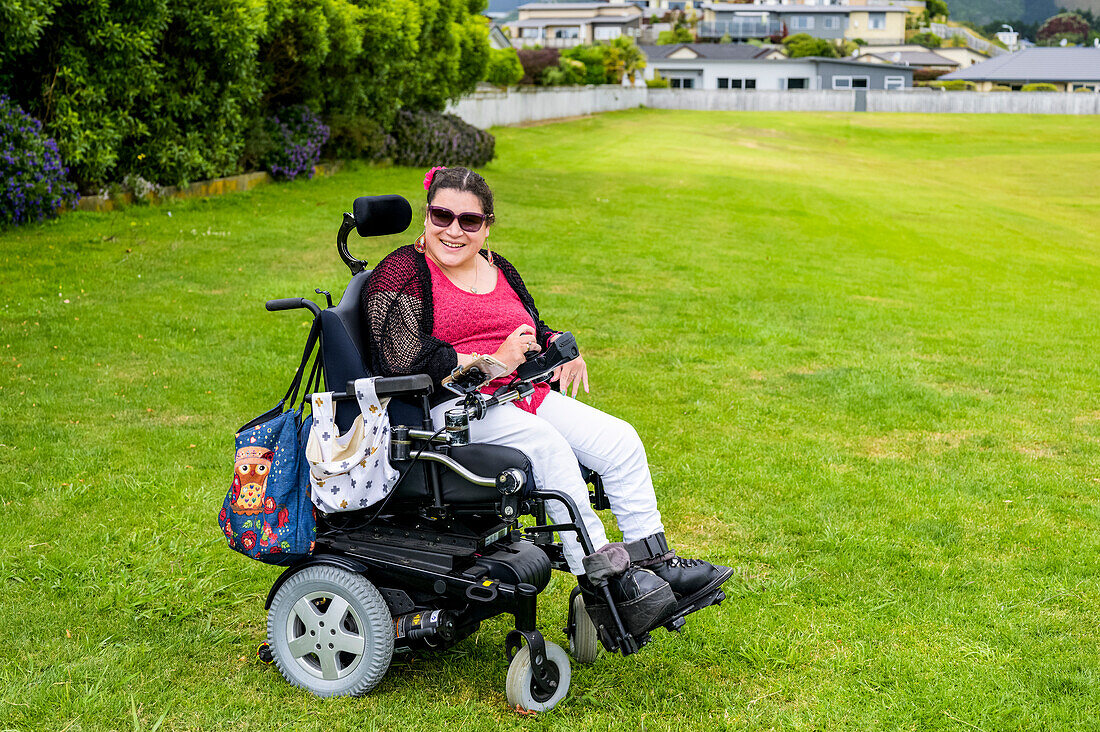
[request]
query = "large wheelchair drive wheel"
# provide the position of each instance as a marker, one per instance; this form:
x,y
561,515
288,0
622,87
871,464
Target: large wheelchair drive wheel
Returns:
x,y
330,632
520,685
583,641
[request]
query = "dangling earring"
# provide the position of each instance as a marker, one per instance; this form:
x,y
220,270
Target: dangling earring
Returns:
x,y
418,245
489,250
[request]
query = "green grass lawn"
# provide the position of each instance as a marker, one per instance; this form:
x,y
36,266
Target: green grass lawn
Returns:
x,y
861,350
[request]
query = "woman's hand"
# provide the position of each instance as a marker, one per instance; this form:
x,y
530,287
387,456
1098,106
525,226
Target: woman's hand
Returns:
x,y
575,372
516,346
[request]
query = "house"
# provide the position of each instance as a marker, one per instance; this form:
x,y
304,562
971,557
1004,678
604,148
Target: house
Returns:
x,y
874,24
923,59
963,56
1066,68
743,66
564,25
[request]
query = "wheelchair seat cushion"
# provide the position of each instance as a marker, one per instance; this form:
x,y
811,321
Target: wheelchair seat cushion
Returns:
x,y
485,460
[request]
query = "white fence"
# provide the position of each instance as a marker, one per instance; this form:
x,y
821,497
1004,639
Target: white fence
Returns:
x,y
927,101
532,104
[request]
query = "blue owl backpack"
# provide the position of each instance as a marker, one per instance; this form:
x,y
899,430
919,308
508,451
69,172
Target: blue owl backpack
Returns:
x,y
267,514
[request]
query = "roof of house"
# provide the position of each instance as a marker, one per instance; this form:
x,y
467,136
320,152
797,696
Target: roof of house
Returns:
x,y
746,52
601,20
803,9
912,58
1036,64
724,51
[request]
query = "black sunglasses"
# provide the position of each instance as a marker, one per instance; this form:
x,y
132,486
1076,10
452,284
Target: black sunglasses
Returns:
x,y
467,221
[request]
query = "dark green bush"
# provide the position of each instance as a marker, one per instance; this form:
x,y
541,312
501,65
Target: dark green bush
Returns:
x,y
357,136
1042,87
427,138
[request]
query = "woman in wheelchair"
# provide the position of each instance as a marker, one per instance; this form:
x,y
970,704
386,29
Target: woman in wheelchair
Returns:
x,y
440,303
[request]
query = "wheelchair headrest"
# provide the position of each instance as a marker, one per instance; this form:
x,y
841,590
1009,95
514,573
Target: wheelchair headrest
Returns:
x,y
381,215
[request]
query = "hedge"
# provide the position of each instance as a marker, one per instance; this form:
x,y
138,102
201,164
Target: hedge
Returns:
x,y
178,90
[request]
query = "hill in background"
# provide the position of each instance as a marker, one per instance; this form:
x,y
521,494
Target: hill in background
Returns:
x,y
1030,11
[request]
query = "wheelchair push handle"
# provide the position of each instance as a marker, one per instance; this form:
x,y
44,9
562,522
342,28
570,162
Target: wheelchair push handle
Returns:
x,y
293,303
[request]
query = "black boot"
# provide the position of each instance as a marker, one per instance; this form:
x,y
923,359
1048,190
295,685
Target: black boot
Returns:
x,y
641,598
690,579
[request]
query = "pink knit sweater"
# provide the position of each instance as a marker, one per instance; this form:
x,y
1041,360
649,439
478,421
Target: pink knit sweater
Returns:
x,y
480,323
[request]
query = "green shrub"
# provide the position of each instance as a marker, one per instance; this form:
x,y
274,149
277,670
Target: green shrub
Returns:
x,y
954,85
927,39
426,138
596,60
33,182
504,68
567,72
1040,87
680,34
1000,87
803,44
357,136
1085,89
657,82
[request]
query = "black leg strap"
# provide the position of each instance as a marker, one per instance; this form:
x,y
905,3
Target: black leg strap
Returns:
x,y
653,546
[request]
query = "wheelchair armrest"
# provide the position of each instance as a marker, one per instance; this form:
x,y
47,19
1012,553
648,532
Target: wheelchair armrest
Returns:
x,y
391,386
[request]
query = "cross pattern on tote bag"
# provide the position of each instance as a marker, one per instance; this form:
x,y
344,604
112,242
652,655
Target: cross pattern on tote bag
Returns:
x,y
351,471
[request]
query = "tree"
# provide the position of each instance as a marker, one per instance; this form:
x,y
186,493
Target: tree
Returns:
x,y
679,34
631,59
936,8
504,68
803,44
1069,26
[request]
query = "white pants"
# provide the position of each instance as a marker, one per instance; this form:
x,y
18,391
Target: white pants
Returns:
x,y
563,433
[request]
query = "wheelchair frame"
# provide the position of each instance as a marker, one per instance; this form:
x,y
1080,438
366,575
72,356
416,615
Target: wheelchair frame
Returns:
x,y
439,553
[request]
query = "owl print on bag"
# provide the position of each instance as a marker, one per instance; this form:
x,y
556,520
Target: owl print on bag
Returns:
x,y
250,471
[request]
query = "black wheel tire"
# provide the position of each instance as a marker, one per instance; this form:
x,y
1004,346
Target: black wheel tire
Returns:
x,y
519,685
330,632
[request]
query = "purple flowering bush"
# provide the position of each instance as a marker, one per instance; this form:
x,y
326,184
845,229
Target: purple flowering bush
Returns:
x,y
298,136
33,181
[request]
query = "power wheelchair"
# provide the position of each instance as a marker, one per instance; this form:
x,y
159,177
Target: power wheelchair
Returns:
x,y
445,550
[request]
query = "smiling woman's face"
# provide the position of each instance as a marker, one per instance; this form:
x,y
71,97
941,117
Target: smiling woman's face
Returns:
x,y
453,246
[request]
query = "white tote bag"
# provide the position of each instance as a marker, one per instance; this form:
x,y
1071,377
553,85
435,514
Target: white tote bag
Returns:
x,y
351,471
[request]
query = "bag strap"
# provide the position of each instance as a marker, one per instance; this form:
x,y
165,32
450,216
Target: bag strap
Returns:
x,y
311,342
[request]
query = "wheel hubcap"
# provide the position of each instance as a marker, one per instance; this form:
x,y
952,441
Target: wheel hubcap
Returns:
x,y
325,636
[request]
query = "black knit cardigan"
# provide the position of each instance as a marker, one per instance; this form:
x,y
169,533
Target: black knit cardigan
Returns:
x,y
398,311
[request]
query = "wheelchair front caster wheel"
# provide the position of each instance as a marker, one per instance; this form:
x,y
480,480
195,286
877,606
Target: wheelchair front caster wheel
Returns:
x,y
264,653
583,641
520,685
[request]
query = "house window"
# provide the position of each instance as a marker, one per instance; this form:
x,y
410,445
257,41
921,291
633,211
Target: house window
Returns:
x,y
850,82
876,21
531,33
830,22
802,22
723,83
798,83
681,83
607,32
742,83
567,33
894,82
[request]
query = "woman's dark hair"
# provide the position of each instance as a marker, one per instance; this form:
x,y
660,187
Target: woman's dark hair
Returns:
x,y
463,179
